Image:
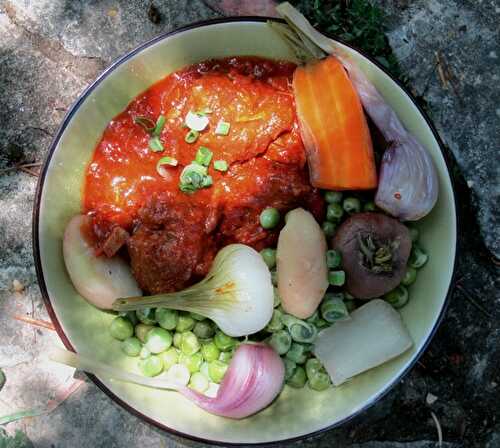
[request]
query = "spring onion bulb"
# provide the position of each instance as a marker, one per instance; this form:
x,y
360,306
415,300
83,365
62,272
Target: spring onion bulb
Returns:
x,y
196,122
253,380
99,280
408,184
237,293
374,335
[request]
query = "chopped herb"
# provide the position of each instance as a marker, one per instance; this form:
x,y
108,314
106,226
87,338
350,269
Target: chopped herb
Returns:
x,y
195,121
336,278
155,144
165,161
147,124
221,165
203,112
160,123
207,181
191,136
193,177
203,156
222,128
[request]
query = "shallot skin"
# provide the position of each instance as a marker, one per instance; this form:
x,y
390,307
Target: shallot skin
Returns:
x,y
253,380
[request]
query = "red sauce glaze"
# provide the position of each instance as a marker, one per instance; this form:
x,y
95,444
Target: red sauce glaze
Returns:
x,y
263,148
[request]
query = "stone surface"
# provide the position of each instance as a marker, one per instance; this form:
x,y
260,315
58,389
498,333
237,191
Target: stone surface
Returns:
x,y
51,49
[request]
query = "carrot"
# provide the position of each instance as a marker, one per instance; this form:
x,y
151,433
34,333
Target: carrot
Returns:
x,y
333,127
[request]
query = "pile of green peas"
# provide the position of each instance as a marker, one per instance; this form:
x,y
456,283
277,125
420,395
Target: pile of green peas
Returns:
x,y
161,339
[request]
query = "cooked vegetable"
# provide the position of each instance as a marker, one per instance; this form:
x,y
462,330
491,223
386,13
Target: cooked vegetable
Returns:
x,y
298,378
237,293
165,161
336,278
192,362
289,367
99,280
142,330
196,122
224,342
275,324
189,343
334,212
301,264
216,370
179,375
352,205
226,357
155,144
298,353
146,316
184,323
333,259
221,165
204,329
333,197
193,177
374,335
333,127
158,340
316,375
198,382
409,277
151,366
375,250
328,229
191,136
280,341
203,156
398,297
210,352
333,308
408,185
166,318
131,346
269,218
269,257
222,128
169,357
299,330
121,328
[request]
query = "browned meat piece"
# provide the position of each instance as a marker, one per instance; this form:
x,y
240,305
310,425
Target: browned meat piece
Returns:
x,y
114,242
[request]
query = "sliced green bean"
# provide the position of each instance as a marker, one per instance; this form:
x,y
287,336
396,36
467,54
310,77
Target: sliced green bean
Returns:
x,y
410,276
299,330
281,341
333,309
298,378
417,257
298,353
398,297
290,367
275,323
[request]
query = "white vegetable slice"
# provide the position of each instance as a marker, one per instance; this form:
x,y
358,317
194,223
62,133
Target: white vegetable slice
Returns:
x,y
99,280
301,264
374,335
196,122
179,374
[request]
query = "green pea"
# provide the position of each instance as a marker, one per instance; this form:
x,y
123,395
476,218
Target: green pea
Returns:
x,y
352,205
316,375
177,339
184,323
298,353
334,212
225,357
166,318
398,297
204,329
290,367
192,362
144,353
189,343
131,346
121,328
151,366
410,276
281,341
333,258
217,370
197,316
269,257
333,309
198,382
275,323
369,207
336,278
298,379
417,257
299,330
328,228
158,340
269,218
333,197
224,342
210,352
414,234
141,331
169,357
146,316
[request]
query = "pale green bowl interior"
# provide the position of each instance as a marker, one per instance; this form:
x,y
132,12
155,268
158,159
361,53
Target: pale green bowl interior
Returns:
x,y
295,412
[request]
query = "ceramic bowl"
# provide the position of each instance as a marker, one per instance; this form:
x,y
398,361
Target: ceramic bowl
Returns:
x,y
296,413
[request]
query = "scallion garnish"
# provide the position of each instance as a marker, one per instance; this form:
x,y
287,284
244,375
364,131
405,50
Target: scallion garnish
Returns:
x,y
146,123
195,121
203,112
155,144
165,161
221,165
160,123
193,177
191,136
222,128
203,156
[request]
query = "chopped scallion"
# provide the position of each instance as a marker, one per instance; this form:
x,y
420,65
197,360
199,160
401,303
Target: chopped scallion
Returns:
x,y
160,123
165,161
195,121
203,156
191,136
221,165
146,123
222,128
155,144
193,177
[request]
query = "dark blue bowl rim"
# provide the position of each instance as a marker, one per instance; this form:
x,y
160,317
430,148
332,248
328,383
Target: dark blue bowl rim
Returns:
x,y
36,247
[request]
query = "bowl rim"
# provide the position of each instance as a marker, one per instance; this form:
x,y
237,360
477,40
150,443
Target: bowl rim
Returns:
x,y
36,216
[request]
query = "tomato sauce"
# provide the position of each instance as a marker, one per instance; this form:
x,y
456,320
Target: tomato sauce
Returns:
x,y
264,151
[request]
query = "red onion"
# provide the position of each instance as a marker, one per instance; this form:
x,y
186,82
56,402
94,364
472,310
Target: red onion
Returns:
x,y
408,185
253,380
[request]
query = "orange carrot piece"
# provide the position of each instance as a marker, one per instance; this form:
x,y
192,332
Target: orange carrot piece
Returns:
x,y
333,127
